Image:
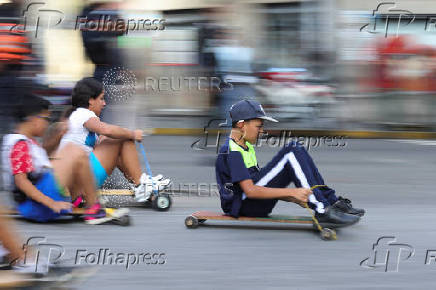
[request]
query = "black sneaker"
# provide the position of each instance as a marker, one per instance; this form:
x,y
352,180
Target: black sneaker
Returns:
x,y
344,205
332,217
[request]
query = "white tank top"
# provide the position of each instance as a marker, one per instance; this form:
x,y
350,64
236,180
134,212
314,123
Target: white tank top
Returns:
x,y
77,133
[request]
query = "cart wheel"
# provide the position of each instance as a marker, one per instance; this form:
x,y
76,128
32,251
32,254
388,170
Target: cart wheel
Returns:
x,y
191,222
328,234
162,202
125,221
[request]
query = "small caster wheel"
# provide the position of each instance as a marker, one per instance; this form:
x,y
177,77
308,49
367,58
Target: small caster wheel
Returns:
x,y
201,221
328,234
191,222
162,202
124,221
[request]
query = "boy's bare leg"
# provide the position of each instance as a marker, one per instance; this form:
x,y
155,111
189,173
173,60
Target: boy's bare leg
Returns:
x,y
71,167
9,239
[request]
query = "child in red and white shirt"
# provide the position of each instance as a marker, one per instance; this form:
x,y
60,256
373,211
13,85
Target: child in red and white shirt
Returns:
x,y
38,184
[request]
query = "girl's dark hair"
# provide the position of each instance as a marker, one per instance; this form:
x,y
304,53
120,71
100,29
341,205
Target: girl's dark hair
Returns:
x,y
29,105
85,89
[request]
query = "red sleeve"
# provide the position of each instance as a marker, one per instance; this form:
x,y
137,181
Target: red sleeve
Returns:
x,y
21,161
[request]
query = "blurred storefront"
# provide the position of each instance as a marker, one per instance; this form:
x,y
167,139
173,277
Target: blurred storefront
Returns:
x,y
367,63
386,64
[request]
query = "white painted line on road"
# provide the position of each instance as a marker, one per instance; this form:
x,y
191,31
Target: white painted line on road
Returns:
x,y
416,142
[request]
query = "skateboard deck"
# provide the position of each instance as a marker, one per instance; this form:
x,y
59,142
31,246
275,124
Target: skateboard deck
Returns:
x,y
199,217
10,279
202,216
118,216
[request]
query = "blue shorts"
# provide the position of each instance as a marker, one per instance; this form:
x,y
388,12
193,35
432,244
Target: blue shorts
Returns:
x,y
36,211
100,174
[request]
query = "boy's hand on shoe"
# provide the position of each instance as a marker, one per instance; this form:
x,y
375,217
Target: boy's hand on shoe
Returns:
x,y
58,206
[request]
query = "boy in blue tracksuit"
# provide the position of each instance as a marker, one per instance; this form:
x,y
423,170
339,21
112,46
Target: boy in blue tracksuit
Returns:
x,y
247,190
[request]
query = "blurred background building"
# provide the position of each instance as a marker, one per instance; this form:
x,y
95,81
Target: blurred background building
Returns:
x,y
331,64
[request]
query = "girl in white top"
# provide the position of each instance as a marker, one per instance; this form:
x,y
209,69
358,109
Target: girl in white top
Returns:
x,y
79,134
109,146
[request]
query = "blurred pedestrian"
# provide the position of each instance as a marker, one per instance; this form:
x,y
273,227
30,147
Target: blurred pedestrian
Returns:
x,y
233,65
101,43
15,49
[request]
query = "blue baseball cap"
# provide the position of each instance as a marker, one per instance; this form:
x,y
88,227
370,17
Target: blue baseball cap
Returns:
x,y
248,109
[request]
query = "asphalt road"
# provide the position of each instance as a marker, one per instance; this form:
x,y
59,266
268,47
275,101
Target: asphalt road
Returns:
x,y
392,180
